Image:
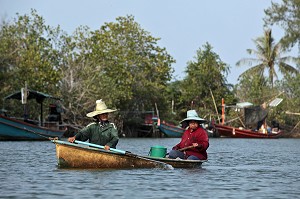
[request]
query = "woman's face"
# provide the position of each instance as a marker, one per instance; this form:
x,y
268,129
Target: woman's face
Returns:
x,y
103,117
193,124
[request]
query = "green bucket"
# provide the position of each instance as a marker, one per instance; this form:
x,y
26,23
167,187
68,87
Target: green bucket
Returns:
x,y
158,151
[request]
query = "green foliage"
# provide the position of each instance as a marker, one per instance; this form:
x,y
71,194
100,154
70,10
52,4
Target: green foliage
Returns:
x,y
137,68
254,89
28,53
78,76
119,63
206,76
291,87
286,15
268,55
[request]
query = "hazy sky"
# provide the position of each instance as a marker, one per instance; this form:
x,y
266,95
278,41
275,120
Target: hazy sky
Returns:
x,y
183,25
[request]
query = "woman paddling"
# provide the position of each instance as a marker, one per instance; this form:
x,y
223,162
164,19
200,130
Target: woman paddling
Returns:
x,y
194,141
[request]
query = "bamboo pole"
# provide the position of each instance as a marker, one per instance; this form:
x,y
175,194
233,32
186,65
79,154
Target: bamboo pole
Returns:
x,y
156,110
214,104
290,113
295,127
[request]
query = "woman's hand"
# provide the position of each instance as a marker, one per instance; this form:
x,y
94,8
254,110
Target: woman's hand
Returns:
x,y
71,139
106,147
175,148
195,144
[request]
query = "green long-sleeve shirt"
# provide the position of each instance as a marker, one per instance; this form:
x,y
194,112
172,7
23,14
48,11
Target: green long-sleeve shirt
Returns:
x,y
99,134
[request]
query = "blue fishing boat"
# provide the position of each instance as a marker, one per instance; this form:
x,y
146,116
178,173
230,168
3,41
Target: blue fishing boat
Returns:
x,y
13,128
173,131
170,130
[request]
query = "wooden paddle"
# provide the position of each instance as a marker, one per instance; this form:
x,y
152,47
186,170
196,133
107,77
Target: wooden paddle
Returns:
x,y
101,147
128,153
48,138
185,148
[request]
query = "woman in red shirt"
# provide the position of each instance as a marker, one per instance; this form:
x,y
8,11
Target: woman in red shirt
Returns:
x,y
194,141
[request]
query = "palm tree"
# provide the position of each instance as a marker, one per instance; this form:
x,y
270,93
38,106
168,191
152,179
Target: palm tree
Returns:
x,y
268,56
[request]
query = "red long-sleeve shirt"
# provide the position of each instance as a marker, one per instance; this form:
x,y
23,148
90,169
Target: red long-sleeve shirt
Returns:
x,y
197,136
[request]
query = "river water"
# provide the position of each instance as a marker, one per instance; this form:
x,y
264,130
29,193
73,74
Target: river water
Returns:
x,y
237,168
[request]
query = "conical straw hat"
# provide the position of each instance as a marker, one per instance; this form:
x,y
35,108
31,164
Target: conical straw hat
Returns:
x,y
100,109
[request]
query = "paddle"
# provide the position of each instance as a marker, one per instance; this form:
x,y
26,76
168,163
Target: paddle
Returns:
x,y
128,153
48,138
101,147
185,148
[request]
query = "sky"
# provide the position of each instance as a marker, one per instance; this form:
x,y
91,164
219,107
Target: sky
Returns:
x,y
183,26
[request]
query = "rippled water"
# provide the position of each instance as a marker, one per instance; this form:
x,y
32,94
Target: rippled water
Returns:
x,y
237,168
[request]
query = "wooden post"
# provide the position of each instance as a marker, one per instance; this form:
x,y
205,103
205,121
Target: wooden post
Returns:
x,y
214,104
157,112
24,96
223,111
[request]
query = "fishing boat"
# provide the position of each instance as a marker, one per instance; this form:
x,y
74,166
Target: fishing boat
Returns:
x,y
84,155
254,125
170,130
232,132
13,128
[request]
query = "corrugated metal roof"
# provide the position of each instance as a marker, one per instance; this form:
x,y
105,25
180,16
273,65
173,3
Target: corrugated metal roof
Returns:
x,y
31,95
275,102
243,104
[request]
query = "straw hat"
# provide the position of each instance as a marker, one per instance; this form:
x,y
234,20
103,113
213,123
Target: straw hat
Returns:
x,y
100,109
192,115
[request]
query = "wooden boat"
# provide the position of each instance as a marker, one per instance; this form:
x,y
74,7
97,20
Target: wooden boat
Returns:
x,y
172,131
70,155
232,132
12,128
179,163
254,116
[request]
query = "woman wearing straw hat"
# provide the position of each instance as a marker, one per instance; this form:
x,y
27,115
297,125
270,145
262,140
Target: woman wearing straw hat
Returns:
x,y
194,141
100,132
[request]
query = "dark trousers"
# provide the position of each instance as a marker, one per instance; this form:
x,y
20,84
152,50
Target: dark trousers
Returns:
x,y
173,154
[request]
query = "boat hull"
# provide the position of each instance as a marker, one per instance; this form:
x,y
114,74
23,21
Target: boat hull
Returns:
x,y
228,131
13,129
171,131
180,163
71,155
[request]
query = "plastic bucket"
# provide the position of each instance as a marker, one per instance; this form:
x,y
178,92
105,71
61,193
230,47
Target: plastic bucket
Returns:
x,y
158,151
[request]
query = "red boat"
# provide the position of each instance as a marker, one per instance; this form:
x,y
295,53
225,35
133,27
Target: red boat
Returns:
x,y
232,132
255,116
